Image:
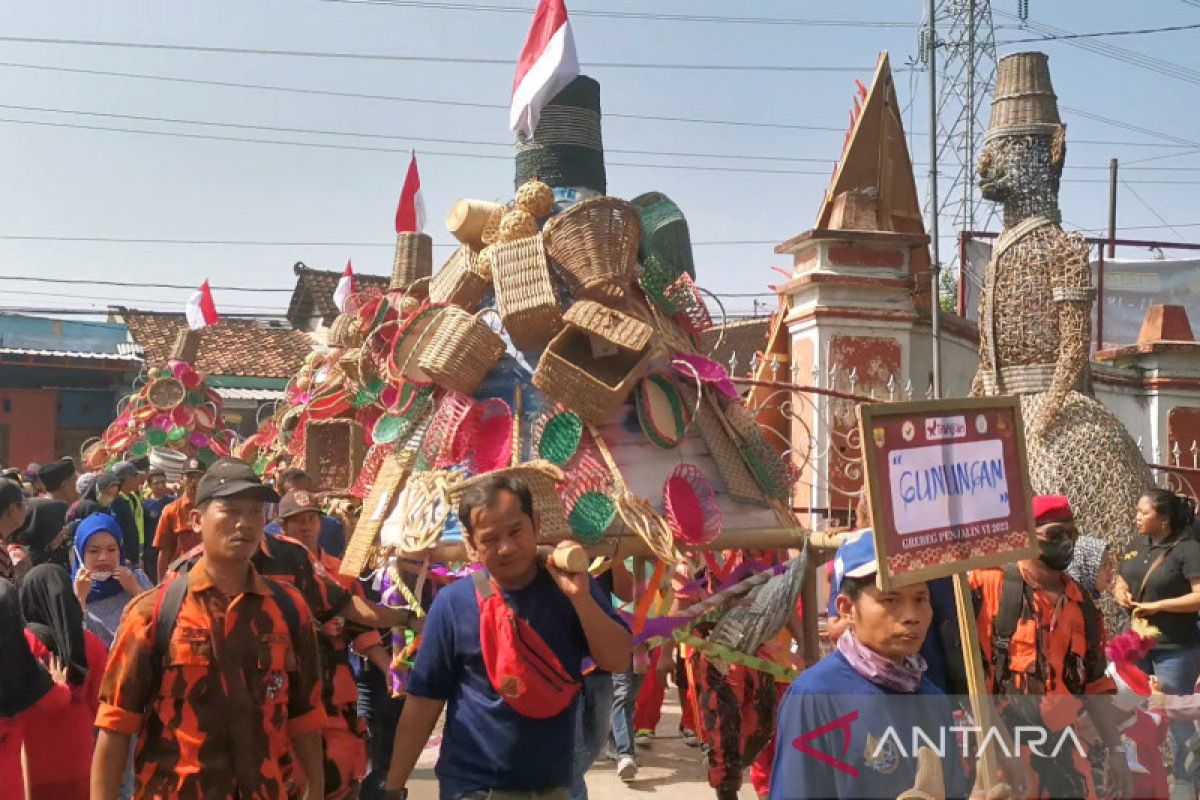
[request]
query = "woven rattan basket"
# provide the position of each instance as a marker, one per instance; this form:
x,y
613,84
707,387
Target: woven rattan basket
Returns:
x,y
524,292
414,260
459,281
345,332
595,244
665,235
467,218
1024,97
740,483
461,351
595,361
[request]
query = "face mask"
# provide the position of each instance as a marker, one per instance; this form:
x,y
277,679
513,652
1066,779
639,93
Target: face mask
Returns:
x,y
1057,554
101,576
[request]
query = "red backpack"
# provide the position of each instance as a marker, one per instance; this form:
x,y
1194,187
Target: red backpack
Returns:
x,y
521,667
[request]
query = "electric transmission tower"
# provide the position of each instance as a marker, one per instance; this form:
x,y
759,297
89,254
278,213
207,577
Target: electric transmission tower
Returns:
x,y
962,40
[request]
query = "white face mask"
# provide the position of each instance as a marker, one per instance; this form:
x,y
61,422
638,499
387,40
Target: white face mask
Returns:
x,y
101,576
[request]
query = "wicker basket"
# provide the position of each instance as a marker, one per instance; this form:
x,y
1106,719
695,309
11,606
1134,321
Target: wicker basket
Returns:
x,y
524,293
595,244
740,484
665,236
467,219
461,351
595,362
414,260
165,393
333,453
345,332
412,336
186,346
459,281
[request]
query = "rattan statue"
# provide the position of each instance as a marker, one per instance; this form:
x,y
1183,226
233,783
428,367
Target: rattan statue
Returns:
x,y
1035,313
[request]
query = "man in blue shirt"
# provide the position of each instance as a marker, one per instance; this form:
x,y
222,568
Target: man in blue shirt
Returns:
x,y
846,725
488,749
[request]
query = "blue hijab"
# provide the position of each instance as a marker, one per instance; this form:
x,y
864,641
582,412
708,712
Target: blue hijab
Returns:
x,y
91,525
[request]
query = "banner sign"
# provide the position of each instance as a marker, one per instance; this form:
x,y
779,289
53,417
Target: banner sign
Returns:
x,y
948,486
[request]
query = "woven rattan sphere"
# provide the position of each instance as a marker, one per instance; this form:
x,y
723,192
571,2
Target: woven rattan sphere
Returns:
x,y
491,229
535,197
517,224
483,264
408,305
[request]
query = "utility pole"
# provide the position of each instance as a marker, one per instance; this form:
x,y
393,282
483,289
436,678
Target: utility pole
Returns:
x,y
1112,208
935,267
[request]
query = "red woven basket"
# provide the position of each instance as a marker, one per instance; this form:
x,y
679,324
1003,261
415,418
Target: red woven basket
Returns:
x,y
691,506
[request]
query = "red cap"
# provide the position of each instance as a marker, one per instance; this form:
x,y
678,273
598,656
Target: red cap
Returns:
x,y
1052,508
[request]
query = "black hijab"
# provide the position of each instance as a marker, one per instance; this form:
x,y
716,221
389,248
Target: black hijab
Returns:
x,y
53,614
23,681
44,523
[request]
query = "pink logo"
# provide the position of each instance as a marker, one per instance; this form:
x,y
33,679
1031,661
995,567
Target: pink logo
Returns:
x,y
842,723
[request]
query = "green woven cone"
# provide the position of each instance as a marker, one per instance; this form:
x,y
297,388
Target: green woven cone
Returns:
x,y
560,437
665,233
591,516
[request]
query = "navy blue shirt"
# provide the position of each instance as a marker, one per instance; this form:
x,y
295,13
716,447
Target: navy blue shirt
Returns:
x,y
485,743
331,539
873,764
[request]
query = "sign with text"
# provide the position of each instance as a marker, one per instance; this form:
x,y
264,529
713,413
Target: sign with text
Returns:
x,y
948,486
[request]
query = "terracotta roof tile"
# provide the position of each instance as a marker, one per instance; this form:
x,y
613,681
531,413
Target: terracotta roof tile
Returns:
x,y
231,347
314,292
743,338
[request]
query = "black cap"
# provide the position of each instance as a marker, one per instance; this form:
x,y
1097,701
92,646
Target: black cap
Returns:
x,y
143,463
124,470
105,481
56,473
296,502
193,466
230,476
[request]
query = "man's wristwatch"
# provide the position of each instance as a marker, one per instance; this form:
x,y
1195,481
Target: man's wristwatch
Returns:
x,y
395,794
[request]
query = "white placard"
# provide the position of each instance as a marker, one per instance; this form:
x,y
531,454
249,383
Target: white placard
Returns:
x,y
942,486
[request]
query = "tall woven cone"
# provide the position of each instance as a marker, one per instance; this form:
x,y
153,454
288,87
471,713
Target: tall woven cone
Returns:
x,y
414,260
1024,97
186,346
466,220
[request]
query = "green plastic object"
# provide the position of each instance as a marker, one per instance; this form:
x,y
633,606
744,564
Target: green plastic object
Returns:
x,y
140,448
387,429
560,437
591,516
207,457
177,433
260,466
157,437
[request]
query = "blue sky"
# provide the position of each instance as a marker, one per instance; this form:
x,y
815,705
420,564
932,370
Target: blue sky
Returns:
x,y
81,182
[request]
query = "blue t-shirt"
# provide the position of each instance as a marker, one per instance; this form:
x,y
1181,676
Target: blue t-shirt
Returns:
x,y
878,761
331,539
485,743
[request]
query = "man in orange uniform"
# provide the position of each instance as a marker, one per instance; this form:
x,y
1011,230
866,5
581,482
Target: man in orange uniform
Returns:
x,y
174,535
1043,655
345,748
228,687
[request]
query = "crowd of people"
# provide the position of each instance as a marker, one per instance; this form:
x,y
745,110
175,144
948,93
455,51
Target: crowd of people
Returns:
x,y
196,638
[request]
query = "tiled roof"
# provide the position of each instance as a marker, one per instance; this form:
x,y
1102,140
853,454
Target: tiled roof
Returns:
x,y
743,338
231,347
314,292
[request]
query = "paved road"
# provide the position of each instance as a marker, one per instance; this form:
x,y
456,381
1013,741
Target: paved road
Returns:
x,y
669,771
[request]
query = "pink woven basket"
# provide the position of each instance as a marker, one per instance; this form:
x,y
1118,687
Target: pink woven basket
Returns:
x,y
484,438
691,506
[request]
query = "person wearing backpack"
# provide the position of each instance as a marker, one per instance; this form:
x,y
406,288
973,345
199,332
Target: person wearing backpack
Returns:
x,y
1044,661
216,670
503,652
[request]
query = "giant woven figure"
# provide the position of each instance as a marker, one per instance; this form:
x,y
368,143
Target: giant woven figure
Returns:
x,y
1035,320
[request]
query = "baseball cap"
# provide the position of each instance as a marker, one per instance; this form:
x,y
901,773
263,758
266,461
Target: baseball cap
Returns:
x,y
296,502
85,483
193,466
124,470
855,558
105,481
230,476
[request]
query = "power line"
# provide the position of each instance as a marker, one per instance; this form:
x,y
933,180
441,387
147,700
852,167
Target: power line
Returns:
x,y
259,51
117,310
262,243
471,142
1149,207
484,156
1067,36
657,17
1129,126
469,104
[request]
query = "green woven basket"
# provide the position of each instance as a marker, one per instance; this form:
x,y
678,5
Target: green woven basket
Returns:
x,y
591,516
768,467
560,437
665,233
655,277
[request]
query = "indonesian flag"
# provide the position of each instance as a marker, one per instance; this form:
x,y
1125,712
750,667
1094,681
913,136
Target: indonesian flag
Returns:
x,y
410,214
345,288
200,309
547,64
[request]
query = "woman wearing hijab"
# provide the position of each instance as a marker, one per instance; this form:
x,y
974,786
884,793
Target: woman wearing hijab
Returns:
x,y
103,582
26,689
58,746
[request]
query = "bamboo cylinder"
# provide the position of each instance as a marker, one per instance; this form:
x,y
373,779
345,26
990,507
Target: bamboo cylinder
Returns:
x,y
466,220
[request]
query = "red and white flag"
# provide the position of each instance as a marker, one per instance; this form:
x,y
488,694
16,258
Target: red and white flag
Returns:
x,y
547,64
345,288
410,214
200,309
